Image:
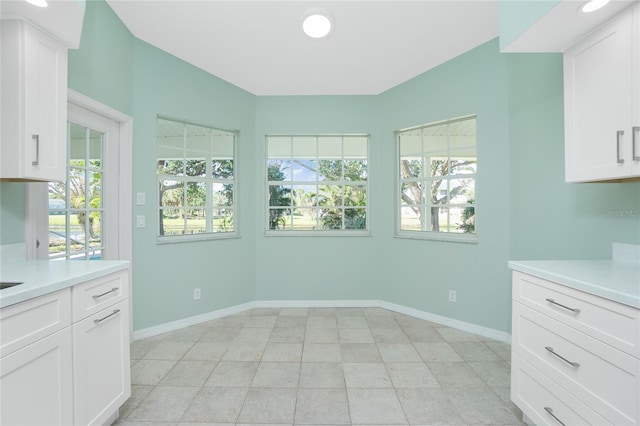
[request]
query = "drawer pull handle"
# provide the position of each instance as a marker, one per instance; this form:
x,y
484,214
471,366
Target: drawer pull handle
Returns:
x,y
619,135
550,411
571,363
37,139
574,310
97,296
98,321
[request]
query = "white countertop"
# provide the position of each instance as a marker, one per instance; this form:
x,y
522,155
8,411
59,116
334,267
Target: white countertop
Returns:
x,y
614,280
43,277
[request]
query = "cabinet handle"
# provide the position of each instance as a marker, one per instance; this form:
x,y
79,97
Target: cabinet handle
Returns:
x,y
635,131
37,139
97,296
574,310
571,363
550,411
98,321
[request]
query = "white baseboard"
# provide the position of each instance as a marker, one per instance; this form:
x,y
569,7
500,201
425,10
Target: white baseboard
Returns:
x,y
438,319
186,322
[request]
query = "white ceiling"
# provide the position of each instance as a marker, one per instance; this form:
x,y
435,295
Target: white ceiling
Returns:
x,y
260,47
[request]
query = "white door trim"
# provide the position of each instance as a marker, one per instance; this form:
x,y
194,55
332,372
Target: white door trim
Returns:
x,y
125,174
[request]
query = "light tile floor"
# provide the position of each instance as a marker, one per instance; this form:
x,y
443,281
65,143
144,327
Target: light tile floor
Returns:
x,y
319,366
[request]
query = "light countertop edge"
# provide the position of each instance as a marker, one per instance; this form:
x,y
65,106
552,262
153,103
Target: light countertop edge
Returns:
x,y
43,277
612,280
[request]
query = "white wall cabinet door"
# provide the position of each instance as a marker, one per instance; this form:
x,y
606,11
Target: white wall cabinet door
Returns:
x,y
34,104
601,76
101,364
36,383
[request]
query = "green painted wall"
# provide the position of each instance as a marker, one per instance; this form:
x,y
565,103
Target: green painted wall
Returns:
x,y
102,67
420,273
516,16
525,210
12,199
551,219
165,275
317,268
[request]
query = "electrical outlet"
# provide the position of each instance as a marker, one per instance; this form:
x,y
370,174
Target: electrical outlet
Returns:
x,y
452,295
196,294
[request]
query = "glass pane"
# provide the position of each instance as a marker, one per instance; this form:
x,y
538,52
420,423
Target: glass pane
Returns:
x,y
304,170
222,220
413,193
77,144
355,196
94,190
222,194
331,219
95,148
355,219
279,147
439,166
196,167
279,219
280,195
222,144
462,191
196,222
222,169
304,195
330,147
171,222
95,231
171,167
412,218
304,219
439,191
411,143
57,233
330,170
57,197
76,238
465,220
436,140
355,147
172,193
76,188
278,170
410,167
331,195
355,170
304,147
196,194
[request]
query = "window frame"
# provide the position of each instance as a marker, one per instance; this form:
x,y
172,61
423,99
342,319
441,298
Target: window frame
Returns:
x,y
471,238
366,232
203,236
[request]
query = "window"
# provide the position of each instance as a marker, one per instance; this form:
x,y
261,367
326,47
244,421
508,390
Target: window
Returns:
x,y
437,180
196,181
317,184
76,211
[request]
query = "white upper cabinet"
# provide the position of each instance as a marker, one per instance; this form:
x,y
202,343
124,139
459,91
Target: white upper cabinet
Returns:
x,y
602,102
34,103
33,84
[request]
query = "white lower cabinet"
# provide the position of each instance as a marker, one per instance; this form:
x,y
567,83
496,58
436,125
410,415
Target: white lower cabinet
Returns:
x,y
574,356
101,364
64,356
36,383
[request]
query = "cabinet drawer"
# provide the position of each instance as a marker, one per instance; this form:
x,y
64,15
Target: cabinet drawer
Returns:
x,y
608,321
101,364
539,397
604,378
95,295
30,321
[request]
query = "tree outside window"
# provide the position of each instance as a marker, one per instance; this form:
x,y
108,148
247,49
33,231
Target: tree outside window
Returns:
x,y
196,180
317,183
437,176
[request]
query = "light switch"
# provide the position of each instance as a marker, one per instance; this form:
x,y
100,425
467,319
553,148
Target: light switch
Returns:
x,y
140,221
140,198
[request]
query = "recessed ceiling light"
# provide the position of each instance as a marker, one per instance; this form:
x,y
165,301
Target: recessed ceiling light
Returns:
x,y
592,5
316,26
39,3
